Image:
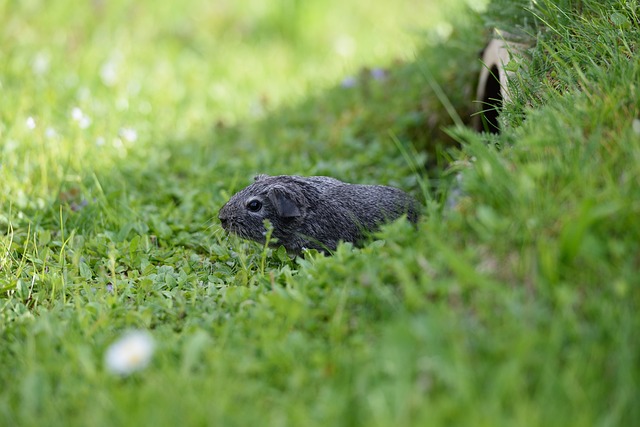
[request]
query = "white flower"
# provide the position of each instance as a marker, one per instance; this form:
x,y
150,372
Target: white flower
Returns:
x,y
40,63
129,134
130,353
76,114
50,133
83,120
109,73
31,123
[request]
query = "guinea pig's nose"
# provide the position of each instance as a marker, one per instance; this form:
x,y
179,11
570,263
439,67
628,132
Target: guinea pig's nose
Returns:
x,y
223,217
222,213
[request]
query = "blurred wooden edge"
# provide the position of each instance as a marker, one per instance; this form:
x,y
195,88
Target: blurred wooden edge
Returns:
x,y
493,87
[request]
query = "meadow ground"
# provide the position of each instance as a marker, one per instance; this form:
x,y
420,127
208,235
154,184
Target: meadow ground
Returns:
x,y
125,126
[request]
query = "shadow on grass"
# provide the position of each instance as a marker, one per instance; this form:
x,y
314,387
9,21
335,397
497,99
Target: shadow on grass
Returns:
x,y
348,131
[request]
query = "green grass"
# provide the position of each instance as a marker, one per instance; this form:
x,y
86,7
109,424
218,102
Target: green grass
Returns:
x,y
125,126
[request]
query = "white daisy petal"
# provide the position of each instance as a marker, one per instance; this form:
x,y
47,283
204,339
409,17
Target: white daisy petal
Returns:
x,y
130,353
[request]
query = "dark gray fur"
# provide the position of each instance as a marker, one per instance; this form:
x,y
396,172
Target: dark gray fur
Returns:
x,y
314,212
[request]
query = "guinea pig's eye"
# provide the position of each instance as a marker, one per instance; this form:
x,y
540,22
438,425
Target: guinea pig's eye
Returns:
x,y
254,205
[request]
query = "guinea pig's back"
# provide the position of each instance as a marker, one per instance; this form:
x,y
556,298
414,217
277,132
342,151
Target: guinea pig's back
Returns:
x,y
374,204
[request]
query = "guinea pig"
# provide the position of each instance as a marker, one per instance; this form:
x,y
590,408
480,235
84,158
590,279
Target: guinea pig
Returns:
x,y
314,212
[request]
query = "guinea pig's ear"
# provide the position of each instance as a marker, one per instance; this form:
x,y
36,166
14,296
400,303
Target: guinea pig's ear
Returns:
x,y
284,202
259,177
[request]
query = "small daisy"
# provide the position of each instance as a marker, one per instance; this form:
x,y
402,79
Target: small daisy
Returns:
x,y
76,114
109,73
40,64
129,134
84,122
31,123
50,133
82,119
130,353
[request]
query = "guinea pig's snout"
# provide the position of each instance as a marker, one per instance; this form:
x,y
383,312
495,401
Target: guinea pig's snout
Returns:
x,y
223,216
